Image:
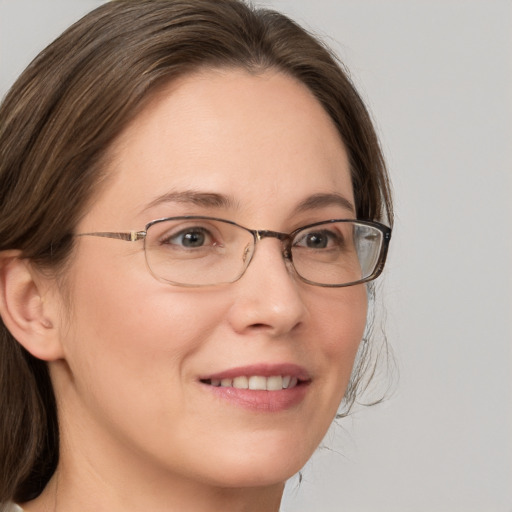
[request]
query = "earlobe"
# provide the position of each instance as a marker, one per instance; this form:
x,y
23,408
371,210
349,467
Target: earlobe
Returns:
x,y
24,308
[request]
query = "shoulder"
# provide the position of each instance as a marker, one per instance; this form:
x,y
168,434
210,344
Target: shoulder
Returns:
x,y
12,507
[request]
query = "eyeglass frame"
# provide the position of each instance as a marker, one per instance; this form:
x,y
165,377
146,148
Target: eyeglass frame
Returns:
x,y
258,234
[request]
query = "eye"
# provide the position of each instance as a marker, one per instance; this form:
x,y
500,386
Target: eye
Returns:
x,y
320,239
195,238
190,238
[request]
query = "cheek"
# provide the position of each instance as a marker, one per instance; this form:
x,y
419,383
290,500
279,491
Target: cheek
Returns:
x,y
340,326
130,348
126,329
343,320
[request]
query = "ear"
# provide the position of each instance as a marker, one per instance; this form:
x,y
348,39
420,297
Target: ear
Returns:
x,y
27,307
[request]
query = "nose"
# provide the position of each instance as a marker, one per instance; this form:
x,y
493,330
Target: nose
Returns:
x,y
268,298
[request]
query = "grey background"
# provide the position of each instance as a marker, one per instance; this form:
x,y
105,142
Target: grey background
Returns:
x,y
437,77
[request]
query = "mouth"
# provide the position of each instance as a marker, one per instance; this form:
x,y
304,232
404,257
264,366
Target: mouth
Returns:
x,y
262,387
256,382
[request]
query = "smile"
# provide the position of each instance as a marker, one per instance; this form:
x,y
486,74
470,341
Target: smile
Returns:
x,y
260,387
256,382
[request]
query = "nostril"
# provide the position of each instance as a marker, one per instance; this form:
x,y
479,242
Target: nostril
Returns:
x,y
259,326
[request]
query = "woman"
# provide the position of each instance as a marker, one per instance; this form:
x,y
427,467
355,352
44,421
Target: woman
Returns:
x,y
183,278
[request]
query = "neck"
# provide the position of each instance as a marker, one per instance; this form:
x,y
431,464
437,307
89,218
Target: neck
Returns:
x,y
106,476
73,493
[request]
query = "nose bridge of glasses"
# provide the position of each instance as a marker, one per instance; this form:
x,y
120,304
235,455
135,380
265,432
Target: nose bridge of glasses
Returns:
x,y
284,238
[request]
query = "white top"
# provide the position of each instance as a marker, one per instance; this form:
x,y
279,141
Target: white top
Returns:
x,y
12,507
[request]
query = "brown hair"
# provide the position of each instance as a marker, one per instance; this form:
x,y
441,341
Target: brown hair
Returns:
x,y
66,109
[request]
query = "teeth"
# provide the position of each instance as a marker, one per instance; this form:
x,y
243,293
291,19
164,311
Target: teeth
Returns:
x,y
241,383
274,383
257,382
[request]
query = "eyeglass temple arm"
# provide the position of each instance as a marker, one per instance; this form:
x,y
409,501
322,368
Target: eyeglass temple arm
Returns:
x,y
131,236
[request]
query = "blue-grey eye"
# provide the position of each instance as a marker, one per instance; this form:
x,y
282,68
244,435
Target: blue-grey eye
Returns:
x,y
193,239
190,238
318,240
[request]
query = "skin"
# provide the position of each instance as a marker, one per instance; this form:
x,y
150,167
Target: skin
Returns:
x,y
139,432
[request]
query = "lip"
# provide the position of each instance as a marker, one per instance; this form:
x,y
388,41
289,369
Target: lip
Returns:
x,y
260,400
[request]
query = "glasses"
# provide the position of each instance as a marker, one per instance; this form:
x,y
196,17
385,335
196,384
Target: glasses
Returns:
x,y
205,251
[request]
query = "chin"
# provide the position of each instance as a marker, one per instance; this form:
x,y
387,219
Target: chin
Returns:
x,y
264,464
270,474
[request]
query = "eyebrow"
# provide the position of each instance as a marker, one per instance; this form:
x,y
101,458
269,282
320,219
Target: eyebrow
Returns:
x,y
215,200
204,199
322,200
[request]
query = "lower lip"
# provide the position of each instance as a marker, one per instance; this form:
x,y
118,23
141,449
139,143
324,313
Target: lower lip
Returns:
x,y
262,401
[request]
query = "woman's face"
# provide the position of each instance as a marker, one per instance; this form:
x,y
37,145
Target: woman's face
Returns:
x,y
134,385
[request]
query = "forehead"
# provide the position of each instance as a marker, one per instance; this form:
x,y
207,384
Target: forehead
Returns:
x,y
262,140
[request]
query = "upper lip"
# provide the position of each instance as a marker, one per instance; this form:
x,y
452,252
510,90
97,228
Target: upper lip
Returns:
x,y
263,370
